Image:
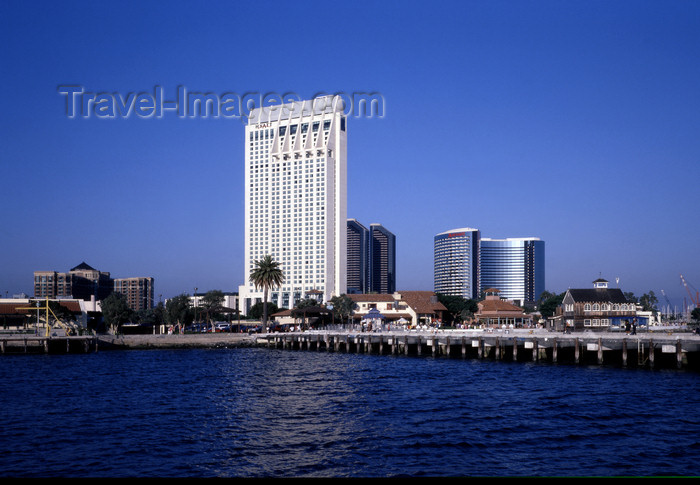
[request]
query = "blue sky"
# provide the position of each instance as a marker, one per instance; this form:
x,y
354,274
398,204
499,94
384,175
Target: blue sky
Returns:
x,y
576,122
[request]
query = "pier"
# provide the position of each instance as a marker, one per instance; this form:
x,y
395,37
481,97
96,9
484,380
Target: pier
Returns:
x,y
33,344
648,350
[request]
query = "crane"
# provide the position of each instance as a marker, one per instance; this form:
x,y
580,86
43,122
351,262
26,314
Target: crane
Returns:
x,y
694,299
667,300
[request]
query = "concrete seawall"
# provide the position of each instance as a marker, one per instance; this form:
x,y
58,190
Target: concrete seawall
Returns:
x,y
187,341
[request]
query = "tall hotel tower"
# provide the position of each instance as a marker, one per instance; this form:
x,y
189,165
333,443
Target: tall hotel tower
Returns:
x,y
456,263
515,266
358,257
296,198
382,260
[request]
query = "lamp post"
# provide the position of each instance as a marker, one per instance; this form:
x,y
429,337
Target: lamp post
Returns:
x,y
195,304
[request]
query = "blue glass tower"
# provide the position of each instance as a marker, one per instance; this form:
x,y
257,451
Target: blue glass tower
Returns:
x,y
515,266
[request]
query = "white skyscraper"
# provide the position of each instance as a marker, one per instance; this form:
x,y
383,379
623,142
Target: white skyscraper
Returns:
x,y
296,198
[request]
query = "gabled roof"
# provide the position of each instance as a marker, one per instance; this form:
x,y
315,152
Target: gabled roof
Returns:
x,y
599,295
500,306
422,302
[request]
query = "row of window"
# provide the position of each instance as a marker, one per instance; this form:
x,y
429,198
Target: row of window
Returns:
x,y
596,322
603,307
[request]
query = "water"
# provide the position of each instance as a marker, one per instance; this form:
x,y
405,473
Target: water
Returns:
x,y
276,413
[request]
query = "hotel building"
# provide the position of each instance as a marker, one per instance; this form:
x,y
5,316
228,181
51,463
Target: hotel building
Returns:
x,y
456,262
514,266
371,262
358,257
82,282
382,260
138,292
296,198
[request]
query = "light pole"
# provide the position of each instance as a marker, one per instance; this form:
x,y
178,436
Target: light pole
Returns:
x,y
195,304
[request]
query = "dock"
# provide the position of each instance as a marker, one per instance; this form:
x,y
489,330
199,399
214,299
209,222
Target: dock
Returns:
x,y
33,344
649,350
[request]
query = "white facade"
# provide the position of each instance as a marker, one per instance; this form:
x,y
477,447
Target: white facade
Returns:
x,y
296,198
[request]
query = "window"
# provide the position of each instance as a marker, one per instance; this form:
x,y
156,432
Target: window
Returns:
x,y
596,307
587,307
587,323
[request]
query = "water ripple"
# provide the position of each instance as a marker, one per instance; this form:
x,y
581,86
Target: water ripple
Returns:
x,y
270,413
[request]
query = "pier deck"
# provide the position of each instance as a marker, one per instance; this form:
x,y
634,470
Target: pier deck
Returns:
x,y
653,349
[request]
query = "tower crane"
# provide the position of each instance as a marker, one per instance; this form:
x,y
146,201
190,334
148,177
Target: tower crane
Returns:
x,y
667,300
694,299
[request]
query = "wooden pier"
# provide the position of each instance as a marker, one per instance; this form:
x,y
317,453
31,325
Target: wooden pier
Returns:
x,y
650,350
32,344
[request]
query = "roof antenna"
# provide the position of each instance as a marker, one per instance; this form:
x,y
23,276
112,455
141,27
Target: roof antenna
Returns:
x,y
617,281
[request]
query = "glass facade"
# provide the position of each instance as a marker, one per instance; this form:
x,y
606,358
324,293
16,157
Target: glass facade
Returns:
x,y
456,263
382,260
515,266
358,257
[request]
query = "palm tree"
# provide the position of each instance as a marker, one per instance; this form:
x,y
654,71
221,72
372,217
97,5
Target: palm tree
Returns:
x,y
266,274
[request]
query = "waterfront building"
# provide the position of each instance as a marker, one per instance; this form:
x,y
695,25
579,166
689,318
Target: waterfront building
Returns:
x,y
296,198
14,312
410,308
82,281
382,260
358,257
138,291
456,263
515,266
86,283
599,308
495,311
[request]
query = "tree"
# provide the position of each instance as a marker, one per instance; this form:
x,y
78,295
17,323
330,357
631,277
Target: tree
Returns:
x,y
256,311
648,302
307,302
266,275
549,306
151,316
211,304
630,297
116,311
343,307
695,315
178,311
458,308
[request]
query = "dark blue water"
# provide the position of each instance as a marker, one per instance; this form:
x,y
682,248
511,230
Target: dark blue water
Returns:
x,y
276,413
